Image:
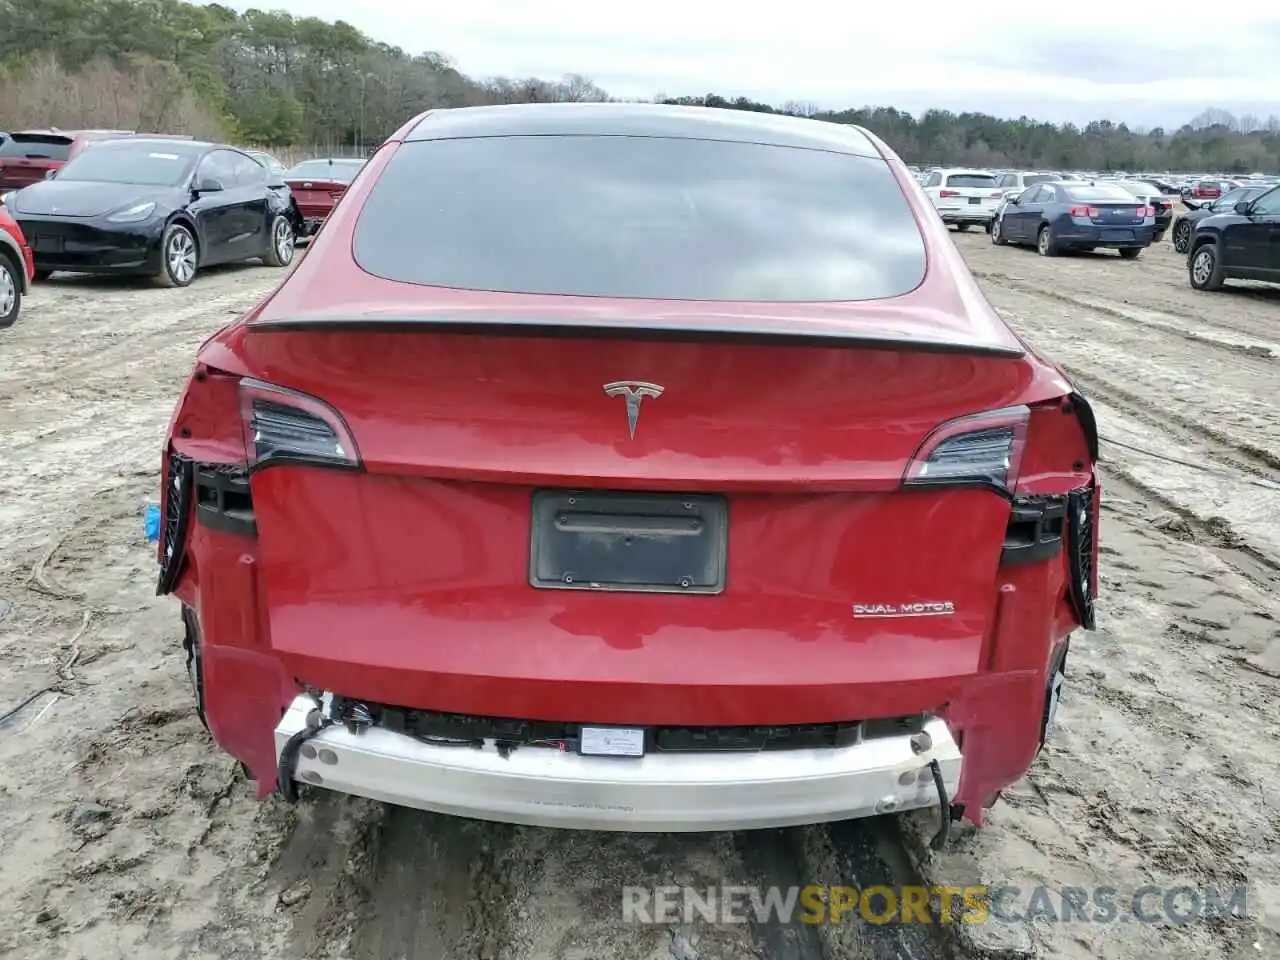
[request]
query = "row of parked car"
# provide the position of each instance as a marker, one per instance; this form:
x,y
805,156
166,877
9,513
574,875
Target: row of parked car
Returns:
x,y
1230,237
1056,212
150,205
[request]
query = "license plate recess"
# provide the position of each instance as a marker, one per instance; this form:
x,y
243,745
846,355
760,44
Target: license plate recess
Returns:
x,y
644,543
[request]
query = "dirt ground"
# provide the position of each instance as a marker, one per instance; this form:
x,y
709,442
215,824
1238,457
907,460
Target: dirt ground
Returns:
x,y
125,833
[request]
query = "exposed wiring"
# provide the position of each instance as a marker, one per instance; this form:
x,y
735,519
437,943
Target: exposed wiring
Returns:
x,y
25,703
1253,481
944,827
316,722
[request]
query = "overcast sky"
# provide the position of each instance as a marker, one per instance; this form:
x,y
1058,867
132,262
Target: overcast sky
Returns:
x,y
1149,64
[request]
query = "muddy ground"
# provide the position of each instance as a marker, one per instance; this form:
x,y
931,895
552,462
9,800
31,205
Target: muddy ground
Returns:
x,y
124,832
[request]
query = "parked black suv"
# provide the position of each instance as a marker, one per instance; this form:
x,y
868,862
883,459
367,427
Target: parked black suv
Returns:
x,y
1185,224
1243,244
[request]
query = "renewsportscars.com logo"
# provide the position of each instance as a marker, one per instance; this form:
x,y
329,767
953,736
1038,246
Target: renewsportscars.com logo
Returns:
x,y
977,904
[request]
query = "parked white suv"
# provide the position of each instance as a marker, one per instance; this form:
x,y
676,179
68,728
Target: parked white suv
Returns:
x,y
964,197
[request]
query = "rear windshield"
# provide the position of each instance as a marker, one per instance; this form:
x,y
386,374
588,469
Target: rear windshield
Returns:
x,y
1034,178
641,217
35,146
972,180
155,164
1100,192
344,170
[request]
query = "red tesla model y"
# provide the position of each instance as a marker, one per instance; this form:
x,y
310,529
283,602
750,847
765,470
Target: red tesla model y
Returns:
x,y
631,467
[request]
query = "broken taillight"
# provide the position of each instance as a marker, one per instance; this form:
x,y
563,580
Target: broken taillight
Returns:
x,y
286,426
984,448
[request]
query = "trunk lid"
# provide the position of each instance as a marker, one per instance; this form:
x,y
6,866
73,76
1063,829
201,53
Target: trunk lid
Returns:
x,y
316,197
969,192
1112,214
501,474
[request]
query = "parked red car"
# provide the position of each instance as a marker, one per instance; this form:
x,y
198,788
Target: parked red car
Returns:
x,y
1211,189
318,185
17,269
29,156
631,467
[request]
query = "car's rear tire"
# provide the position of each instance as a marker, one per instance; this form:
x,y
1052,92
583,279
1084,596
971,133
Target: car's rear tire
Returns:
x,y
1204,268
997,233
1045,245
283,242
42,275
962,228
1130,253
1182,236
10,292
179,257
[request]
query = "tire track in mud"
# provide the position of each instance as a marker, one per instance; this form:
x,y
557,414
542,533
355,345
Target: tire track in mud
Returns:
x,y
1259,564
1219,537
109,331
1194,329
1236,454
1146,284
446,887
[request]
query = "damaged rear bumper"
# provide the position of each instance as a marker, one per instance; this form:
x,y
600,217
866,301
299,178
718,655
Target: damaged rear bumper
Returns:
x,y
660,792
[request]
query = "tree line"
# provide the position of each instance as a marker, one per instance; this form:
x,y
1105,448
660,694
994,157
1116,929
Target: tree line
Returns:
x,y
270,78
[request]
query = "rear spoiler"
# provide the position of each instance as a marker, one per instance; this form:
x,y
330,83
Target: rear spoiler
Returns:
x,y
790,333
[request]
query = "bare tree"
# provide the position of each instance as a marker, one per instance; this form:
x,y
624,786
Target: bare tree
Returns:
x,y
150,97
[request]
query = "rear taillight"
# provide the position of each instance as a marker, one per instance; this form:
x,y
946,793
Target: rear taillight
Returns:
x,y
1087,213
948,193
285,426
1145,212
984,448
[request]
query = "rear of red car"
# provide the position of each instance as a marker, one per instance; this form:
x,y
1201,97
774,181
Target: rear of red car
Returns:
x,y
678,477
317,186
1207,190
87,138
28,157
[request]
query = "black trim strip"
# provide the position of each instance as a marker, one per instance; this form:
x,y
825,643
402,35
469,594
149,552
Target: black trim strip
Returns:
x,y
1088,422
796,334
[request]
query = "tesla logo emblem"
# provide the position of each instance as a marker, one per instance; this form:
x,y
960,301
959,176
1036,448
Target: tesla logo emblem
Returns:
x,y
634,391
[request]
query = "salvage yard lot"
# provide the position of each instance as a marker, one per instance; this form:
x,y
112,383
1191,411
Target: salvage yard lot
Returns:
x,y
124,832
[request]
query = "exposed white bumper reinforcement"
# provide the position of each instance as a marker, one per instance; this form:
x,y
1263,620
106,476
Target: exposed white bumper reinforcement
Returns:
x,y
659,792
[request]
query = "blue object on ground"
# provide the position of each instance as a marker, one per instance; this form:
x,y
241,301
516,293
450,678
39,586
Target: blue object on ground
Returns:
x,y
151,522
